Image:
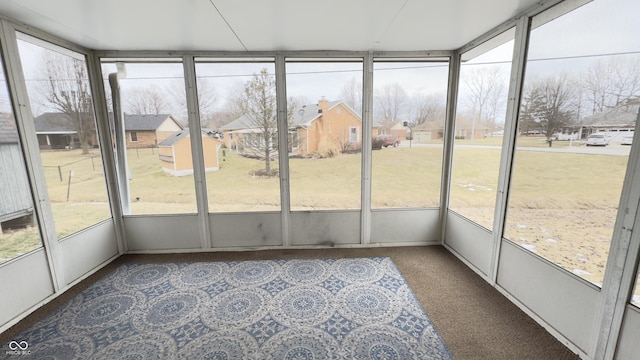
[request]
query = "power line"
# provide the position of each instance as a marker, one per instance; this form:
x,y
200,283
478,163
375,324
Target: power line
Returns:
x,y
228,25
443,65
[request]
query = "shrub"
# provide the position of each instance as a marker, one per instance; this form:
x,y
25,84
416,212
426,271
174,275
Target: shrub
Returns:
x,y
376,144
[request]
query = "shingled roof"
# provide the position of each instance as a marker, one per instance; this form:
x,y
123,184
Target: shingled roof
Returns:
x,y
59,122
54,122
619,116
8,130
179,135
302,116
144,122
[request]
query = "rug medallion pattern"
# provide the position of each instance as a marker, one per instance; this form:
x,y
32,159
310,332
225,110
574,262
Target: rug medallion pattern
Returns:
x,y
358,308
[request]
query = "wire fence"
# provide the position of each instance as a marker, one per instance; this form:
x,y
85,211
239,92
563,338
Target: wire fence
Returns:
x,y
59,167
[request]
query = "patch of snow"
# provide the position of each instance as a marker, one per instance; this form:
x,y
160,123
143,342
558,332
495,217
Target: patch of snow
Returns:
x,y
473,187
529,247
550,240
581,272
635,299
522,226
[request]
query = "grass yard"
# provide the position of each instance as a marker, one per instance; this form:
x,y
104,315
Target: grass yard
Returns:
x,y
562,205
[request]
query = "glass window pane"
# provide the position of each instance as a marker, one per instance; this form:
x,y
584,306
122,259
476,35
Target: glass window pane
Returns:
x,y
409,102
157,138
240,143
580,99
18,222
325,134
479,129
61,101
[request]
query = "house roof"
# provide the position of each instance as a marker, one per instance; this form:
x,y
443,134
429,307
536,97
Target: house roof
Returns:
x,y
59,122
175,137
181,134
54,122
619,116
145,122
8,130
429,125
301,116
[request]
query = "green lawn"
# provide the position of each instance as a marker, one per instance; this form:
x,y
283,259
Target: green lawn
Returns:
x,y
557,199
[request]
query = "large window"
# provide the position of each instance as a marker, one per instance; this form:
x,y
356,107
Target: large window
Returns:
x,y
160,167
240,143
62,105
580,100
409,102
325,127
18,223
479,128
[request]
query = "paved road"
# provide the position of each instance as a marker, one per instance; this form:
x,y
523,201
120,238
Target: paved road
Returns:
x,y
611,149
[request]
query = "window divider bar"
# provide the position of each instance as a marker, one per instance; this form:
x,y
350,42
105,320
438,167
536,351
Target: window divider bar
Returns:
x,y
195,132
283,150
106,141
622,262
366,152
449,139
518,64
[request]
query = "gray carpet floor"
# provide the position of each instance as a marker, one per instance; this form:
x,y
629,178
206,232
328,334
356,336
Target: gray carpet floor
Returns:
x,y
475,320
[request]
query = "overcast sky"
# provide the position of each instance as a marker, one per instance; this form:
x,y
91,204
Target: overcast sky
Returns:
x,y
600,27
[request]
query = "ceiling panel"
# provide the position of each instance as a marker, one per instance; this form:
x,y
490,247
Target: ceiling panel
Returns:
x,y
232,25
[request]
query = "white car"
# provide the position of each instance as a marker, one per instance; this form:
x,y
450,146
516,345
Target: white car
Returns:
x,y
597,139
627,139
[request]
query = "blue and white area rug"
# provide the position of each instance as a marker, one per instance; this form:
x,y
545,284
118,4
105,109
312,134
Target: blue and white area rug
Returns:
x,y
279,309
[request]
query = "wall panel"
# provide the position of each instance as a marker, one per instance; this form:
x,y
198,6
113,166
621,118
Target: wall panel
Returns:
x,y
562,300
245,229
628,348
327,228
420,226
469,240
162,232
25,282
85,250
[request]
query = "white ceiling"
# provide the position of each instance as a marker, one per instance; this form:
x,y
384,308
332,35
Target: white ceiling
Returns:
x,y
356,25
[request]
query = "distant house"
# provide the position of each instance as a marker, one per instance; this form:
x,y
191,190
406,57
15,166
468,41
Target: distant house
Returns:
x,y
615,121
391,127
175,153
57,130
149,130
316,128
16,206
428,130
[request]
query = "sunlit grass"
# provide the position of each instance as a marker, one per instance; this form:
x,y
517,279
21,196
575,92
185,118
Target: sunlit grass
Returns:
x,y
563,204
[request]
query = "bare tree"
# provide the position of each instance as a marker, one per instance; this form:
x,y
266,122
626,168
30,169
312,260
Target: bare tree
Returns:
x,y
258,103
486,93
547,105
146,100
351,94
425,108
67,90
596,86
391,101
611,82
207,98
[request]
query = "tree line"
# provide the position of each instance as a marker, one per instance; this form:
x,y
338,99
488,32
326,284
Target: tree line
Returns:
x,y
548,102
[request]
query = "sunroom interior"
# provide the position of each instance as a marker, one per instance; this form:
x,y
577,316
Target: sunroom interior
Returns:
x,y
492,104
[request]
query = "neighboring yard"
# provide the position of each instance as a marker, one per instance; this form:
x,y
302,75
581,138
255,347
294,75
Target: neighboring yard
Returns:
x,y
563,205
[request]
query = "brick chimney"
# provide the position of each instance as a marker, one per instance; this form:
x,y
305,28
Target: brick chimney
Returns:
x,y
323,111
